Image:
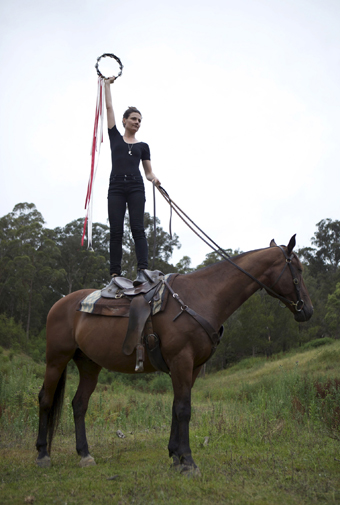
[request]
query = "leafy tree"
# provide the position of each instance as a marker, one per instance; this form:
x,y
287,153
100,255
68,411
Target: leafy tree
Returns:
x,y
332,316
323,260
183,266
214,257
248,333
327,240
81,267
282,328
11,333
163,251
39,265
259,327
322,272
29,259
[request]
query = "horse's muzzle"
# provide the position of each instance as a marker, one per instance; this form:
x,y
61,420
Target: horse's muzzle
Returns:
x,y
304,314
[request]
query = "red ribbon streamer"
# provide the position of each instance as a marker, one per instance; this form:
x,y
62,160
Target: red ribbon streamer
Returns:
x,y
98,120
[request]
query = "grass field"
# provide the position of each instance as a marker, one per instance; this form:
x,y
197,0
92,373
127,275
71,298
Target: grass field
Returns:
x,y
263,432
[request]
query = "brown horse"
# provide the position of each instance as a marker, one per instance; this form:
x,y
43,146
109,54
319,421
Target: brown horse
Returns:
x,y
94,342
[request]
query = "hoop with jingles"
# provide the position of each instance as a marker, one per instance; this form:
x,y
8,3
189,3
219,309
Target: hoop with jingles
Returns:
x,y
110,55
97,139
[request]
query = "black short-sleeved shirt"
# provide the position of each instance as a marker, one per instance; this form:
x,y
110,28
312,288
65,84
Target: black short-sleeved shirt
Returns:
x,y
122,162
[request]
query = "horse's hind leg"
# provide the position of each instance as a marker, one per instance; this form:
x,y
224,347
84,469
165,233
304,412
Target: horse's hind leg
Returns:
x,y
50,403
88,371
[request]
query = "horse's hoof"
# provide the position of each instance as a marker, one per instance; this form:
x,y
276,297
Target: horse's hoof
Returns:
x,y
44,462
190,471
175,465
87,461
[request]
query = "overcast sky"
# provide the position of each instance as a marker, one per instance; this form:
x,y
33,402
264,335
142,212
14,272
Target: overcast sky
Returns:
x,y
240,103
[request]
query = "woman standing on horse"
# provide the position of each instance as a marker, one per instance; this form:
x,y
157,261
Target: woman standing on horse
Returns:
x,y
126,186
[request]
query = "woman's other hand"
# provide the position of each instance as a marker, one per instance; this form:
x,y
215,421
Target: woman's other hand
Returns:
x,y
156,181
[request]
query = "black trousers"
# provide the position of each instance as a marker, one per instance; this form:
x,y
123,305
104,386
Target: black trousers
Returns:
x,y
126,190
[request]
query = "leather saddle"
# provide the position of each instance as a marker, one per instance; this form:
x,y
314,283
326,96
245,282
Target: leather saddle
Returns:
x,y
120,286
140,308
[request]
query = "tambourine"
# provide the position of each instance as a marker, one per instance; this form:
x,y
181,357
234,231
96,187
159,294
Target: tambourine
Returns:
x,y
105,55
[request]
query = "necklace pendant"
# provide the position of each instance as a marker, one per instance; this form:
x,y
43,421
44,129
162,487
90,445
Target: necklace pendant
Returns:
x,y
130,153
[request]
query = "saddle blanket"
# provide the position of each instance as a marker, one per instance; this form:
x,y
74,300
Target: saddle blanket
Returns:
x,y
120,307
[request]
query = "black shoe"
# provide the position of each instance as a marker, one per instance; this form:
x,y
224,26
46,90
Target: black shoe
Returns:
x,y
111,281
140,279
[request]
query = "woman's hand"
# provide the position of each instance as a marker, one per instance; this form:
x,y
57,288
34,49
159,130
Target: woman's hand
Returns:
x,y
156,181
110,80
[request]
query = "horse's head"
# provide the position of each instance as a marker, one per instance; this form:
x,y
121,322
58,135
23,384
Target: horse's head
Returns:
x,y
288,284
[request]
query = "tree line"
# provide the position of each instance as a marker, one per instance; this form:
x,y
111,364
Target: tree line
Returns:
x,y
38,266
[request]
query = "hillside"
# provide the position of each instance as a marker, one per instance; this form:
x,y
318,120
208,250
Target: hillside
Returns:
x,y
262,431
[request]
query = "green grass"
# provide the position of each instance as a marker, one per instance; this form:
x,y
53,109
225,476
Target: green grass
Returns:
x,y
272,438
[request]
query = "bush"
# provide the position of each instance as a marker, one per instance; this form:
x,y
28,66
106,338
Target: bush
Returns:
x,y
105,377
19,388
36,348
248,363
161,383
319,400
136,381
328,356
10,332
318,342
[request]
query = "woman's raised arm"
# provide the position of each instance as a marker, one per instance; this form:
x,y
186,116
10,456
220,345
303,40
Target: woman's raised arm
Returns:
x,y
111,121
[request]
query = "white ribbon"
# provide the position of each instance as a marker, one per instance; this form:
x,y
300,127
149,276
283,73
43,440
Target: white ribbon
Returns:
x,y
97,139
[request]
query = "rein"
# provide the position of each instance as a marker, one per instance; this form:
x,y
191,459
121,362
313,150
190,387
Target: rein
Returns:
x,y
298,305
154,227
185,218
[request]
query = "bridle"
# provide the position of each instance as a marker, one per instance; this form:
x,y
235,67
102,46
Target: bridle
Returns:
x,y
215,337
297,306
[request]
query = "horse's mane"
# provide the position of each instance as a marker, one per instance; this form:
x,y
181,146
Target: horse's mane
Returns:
x,y
232,258
238,256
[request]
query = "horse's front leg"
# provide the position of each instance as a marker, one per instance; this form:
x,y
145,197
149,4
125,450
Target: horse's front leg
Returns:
x,y
179,444
88,371
174,439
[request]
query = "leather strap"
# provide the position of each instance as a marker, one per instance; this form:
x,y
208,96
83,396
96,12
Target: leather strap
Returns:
x,y
297,306
214,336
139,312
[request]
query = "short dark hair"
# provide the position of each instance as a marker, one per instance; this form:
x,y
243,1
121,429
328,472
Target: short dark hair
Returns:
x,y
129,111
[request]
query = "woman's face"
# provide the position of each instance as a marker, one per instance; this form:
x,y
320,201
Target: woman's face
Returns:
x,y
133,122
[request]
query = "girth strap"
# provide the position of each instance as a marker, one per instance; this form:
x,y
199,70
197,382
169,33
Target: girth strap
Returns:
x,y
215,336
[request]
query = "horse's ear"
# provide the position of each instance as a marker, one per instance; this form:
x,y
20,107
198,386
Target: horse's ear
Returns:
x,y
273,243
291,244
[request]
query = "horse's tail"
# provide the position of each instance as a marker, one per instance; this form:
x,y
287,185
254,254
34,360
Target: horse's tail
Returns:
x,y
55,410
